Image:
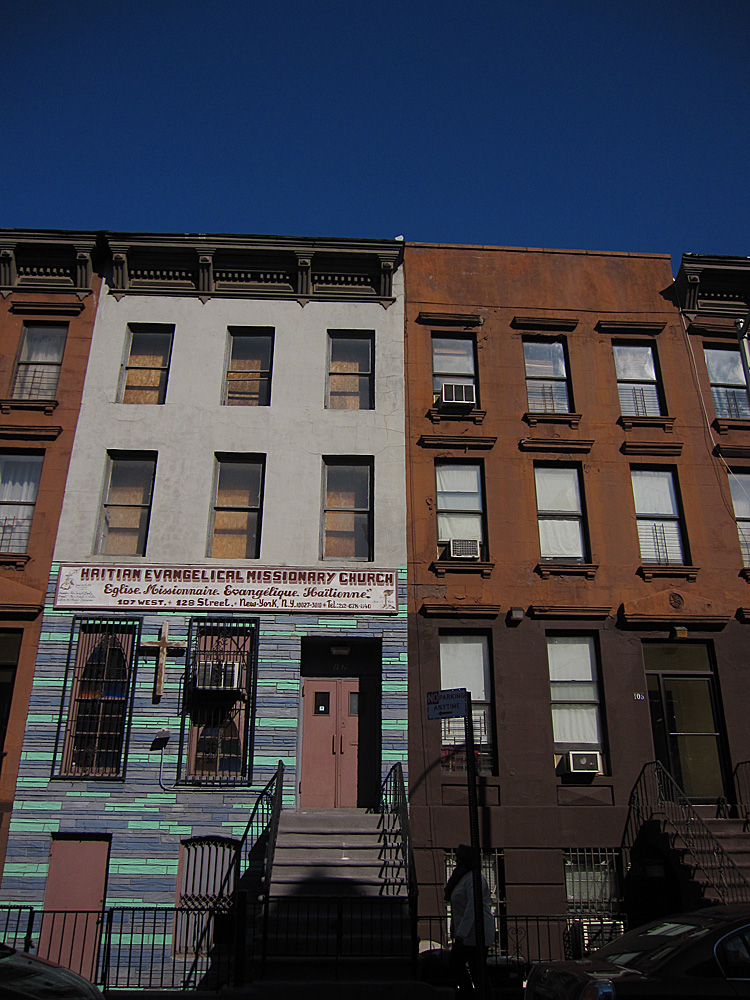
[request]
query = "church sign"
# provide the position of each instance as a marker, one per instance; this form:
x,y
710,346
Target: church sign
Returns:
x,y
227,588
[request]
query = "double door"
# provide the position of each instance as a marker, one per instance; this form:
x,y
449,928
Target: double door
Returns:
x,y
330,742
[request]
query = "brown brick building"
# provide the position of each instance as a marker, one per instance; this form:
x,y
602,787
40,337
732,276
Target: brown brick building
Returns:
x,y
49,292
578,456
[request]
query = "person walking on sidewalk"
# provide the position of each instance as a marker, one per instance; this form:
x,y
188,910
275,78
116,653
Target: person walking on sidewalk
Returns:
x,y
459,892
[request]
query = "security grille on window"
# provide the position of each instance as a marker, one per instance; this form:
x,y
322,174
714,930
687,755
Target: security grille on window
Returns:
x,y
453,365
238,505
350,371
460,509
127,505
592,883
657,512
248,381
206,879
637,381
19,483
97,698
144,377
547,387
465,663
739,484
727,379
574,693
216,733
38,368
560,513
347,514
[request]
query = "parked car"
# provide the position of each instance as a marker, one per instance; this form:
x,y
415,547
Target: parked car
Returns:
x,y
690,955
23,975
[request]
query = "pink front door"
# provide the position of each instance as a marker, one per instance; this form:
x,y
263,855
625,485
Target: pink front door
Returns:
x,y
330,739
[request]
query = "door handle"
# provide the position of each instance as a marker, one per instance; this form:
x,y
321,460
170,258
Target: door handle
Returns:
x,y
333,744
341,744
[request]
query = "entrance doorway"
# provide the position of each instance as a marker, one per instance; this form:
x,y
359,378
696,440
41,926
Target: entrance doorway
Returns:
x,y
340,748
685,717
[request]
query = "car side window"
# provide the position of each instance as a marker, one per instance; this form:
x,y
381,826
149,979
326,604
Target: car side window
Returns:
x,y
733,954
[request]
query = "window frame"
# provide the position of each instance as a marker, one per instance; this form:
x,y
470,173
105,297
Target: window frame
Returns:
x,y
452,731
73,682
145,330
661,518
10,652
14,521
552,515
737,393
596,701
22,367
440,378
226,459
103,528
208,702
348,462
263,376
480,514
625,383
531,380
739,488
355,336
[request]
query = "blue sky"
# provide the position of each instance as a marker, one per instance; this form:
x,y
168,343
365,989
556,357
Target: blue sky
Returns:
x,y
586,124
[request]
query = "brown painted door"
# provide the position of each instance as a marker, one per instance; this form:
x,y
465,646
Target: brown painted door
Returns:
x,y
73,903
330,742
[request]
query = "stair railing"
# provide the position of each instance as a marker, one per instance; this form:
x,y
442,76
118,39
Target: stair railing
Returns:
x,y
394,811
259,825
657,795
742,788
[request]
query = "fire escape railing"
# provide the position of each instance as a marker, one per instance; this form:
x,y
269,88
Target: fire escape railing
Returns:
x,y
657,796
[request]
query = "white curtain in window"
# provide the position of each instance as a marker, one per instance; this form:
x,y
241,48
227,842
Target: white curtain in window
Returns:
x,y
43,344
573,685
464,663
458,494
557,490
561,539
19,478
654,492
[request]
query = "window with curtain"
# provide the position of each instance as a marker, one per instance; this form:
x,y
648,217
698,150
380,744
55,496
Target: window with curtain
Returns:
x,y
127,505
237,507
350,371
637,381
19,483
657,512
38,368
347,513
98,693
460,510
547,388
739,484
727,378
574,692
453,362
248,378
144,376
465,663
560,513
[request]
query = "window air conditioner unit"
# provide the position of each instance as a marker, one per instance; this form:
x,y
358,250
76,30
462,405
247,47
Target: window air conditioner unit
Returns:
x,y
584,762
458,394
218,675
464,548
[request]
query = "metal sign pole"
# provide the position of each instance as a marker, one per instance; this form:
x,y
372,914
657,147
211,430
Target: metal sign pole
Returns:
x,y
476,858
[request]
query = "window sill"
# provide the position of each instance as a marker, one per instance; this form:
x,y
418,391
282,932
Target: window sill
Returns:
x,y
26,432
475,416
571,419
442,566
629,422
17,560
47,406
548,569
649,572
725,424
651,447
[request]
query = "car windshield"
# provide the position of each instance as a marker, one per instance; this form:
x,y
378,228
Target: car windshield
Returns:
x,y
648,946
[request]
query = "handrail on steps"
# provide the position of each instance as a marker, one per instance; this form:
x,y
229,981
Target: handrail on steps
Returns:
x,y
394,802
656,793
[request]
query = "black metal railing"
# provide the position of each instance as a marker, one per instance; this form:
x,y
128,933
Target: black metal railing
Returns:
x,y
742,789
657,796
397,852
